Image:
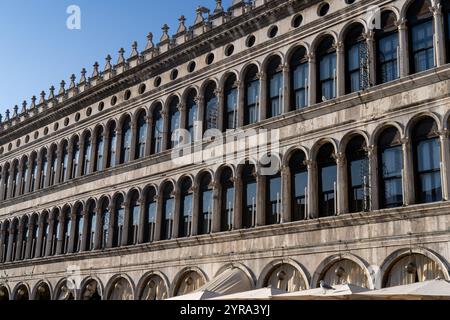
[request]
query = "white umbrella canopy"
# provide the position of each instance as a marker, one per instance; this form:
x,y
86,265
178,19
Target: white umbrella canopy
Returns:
x,y
258,294
435,289
340,292
196,296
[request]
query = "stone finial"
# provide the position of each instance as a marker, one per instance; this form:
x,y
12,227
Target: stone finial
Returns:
x,y
165,36
24,107
95,72
72,81
219,7
16,111
150,44
33,102
83,75
182,26
7,112
42,100
108,65
52,93
134,49
62,88
121,58
200,11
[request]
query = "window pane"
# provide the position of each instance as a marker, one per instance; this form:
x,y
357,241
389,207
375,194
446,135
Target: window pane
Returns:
x,y
274,200
250,205
423,52
428,155
430,187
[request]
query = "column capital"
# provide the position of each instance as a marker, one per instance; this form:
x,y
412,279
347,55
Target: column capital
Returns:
x,y
405,141
340,158
339,46
181,107
238,83
261,75
311,56
369,35
199,99
436,8
310,164
401,23
444,133
370,150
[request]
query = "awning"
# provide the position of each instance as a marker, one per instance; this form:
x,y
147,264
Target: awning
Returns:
x,y
259,294
231,281
434,289
340,292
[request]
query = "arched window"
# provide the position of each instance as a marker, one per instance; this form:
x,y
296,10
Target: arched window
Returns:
x,y
227,200
299,185
230,104
45,233
92,224
274,87
57,219
141,135
185,222
34,172
125,150
273,199
119,220
210,117
357,175
15,234
106,218
23,175
5,241
43,168
5,181
390,168
99,145
249,196
174,123
66,230
112,145
326,69
327,177
79,226
150,215
35,230
206,205
53,164
157,130
355,59
192,114
168,210
64,162
427,161
135,210
86,155
25,233
252,95
387,48
299,70
75,157
421,34
15,179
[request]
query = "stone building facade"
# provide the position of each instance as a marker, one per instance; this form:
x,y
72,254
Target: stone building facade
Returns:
x,y
352,97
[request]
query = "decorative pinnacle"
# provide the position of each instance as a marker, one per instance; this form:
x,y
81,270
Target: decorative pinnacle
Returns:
x,y
134,51
16,111
72,81
62,90
219,7
33,102
42,97
182,26
95,72
121,58
83,75
24,106
52,93
108,63
165,36
7,114
150,44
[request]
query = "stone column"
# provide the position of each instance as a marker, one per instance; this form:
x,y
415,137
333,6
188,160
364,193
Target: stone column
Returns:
x,y
220,109
263,96
59,241
342,185
40,236
9,255
286,107
165,136
159,217
370,41
195,190
19,238
183,115
176,215
49,169
126,224
142,214
19,190
85,231
49,245
73,229
58,163
238,199
70,161
118,145
112,218
148,141
313,190
2,236
340,69
240,103
372,154
286,200
198,133
106,150
98,227
403,48
30,173
312,79
81,158
10,181
134,141
445,163
93,154
439,33
408,174
261,207
216,214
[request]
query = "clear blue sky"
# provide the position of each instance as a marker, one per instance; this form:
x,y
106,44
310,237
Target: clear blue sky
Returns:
x,y
37,49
